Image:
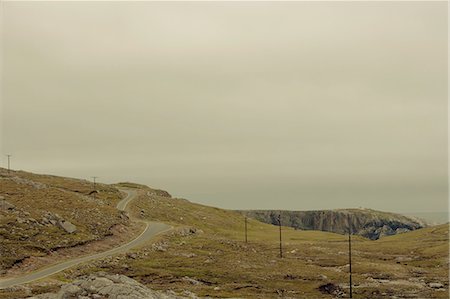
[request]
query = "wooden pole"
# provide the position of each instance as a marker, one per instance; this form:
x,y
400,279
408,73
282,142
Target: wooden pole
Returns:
x,y
350,253
281,246
245,229
9,163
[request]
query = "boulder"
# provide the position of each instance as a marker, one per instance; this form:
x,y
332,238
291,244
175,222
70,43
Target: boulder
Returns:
x,y
67,226
55,219
186,231
102,285
191,280
331,289
6,206
435,285
70,291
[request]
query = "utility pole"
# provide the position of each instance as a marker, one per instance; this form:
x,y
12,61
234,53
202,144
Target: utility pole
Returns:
x,y
350,253
94,178
279,225
245,229
9,163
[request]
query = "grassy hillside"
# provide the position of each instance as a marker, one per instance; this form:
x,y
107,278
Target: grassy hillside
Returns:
x,y
33,207
207,255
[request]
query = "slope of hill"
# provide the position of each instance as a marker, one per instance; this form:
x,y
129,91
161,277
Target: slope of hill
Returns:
x,y
206,254
40,214
368,223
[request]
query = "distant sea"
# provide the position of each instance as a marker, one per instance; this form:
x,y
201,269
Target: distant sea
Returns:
x,y
432,218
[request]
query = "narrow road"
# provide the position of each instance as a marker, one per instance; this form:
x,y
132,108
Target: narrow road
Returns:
x,y
152,229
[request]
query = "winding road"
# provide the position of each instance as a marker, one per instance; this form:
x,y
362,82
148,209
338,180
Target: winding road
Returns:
x,y
151,230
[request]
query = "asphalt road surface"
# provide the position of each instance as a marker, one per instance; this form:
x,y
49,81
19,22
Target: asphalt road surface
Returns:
x,y
152,229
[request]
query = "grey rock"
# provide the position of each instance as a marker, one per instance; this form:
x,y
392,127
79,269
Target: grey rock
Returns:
x,y
188,255
69,291
186,231
124,215
102,285
160,247
191,280
6,206
435,285
95,283
55,219
67,226
21,220
23,181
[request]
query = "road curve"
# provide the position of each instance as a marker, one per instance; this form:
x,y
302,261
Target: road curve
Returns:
x,y
152,229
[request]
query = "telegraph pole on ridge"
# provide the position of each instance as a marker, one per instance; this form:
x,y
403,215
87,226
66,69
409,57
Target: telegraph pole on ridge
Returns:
x,y
9,164
279,225
94,178
245,229
350,253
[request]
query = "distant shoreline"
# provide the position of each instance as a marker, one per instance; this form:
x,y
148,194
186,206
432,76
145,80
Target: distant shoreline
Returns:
x,y
431,217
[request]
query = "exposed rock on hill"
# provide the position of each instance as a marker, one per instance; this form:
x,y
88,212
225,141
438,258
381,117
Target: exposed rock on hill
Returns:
x,y
151,191
159,192
40,214
6,206
368,223
102,285
55,219
67,226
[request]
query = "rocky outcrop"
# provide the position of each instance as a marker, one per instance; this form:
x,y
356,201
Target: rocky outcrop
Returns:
x,y
332,289
368,223
67,226
102,285
150,191
41,214
55,219
159,192
23,181
6,206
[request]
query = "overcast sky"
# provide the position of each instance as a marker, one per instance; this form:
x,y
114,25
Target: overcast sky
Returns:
x,y
293,105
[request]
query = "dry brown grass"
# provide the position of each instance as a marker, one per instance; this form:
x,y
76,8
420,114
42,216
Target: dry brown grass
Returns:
x,y
225,266
22,231
215,261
